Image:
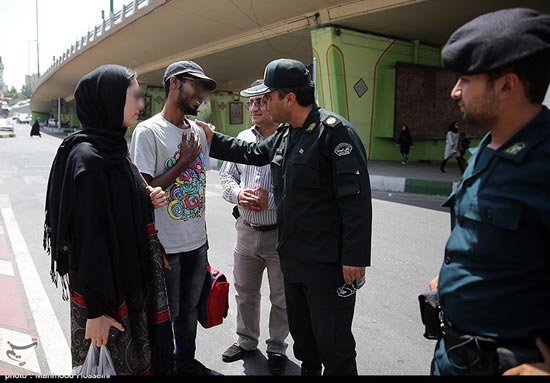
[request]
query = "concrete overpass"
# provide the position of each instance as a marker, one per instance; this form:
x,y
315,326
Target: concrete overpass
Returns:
x,y
234,39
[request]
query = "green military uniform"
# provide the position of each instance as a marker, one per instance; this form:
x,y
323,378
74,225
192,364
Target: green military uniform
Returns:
x,y
495,280
322,192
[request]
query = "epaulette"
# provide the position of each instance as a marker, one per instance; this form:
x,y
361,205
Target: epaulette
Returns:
x,y
332,121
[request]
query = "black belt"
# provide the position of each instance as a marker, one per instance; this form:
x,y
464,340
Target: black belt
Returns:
x,y
260,227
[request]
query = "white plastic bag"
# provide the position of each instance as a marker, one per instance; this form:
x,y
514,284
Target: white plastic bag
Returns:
x,y
97,362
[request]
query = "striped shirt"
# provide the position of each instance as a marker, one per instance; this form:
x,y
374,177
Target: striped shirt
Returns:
x,y
235,177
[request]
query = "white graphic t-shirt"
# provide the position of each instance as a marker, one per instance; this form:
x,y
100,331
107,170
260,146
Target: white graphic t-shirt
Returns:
x,y
155,149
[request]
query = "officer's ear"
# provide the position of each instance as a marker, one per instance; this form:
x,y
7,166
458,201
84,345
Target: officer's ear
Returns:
x,y
508,86
291,99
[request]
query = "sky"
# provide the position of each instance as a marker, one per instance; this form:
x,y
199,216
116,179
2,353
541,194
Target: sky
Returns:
x,y
60,24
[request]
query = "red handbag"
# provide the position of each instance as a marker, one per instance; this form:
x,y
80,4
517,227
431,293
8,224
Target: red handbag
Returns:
x,y
214,300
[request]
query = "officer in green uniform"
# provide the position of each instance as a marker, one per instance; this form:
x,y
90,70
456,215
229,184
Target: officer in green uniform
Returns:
x,y
323,198
494,284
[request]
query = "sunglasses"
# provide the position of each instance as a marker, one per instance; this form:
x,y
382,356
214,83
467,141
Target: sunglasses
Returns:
x,y
251,104
349,289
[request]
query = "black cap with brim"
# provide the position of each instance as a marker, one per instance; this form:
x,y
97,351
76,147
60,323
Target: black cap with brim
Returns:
x,y
210,83
191,69
280,73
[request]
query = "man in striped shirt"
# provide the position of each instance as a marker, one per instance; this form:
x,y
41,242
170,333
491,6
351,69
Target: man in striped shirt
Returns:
x,y
250,187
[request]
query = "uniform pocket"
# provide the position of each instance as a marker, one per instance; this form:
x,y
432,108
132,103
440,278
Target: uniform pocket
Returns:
x,y
503,214
347,183
306,175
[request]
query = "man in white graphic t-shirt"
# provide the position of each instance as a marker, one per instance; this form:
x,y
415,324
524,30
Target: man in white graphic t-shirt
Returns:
x,y
172,152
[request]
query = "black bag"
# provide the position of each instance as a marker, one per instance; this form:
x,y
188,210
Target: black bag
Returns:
x,y
430,313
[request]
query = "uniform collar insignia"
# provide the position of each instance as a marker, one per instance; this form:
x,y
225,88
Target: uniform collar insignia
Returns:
x,y
516,148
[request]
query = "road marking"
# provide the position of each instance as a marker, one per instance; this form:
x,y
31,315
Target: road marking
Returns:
x,y
19,350
56,349
6,268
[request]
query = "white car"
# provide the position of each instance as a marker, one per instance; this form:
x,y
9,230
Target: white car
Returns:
x,y
52,122
6,125
22,118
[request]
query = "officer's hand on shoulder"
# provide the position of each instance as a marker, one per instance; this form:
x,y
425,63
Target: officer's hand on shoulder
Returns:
x,y
208,129
542,368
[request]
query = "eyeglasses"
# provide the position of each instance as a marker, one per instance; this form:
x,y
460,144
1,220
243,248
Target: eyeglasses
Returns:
x,y
251,104
349,289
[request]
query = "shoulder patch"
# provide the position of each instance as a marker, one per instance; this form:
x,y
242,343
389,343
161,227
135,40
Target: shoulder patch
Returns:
x,y
332,121
343,149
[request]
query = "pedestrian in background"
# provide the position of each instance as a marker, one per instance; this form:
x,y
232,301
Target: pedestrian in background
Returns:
x,y
35,130
451,147
251,189
463,146
100,234
405,143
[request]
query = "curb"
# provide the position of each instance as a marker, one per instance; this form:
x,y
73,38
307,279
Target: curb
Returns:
x,y
394,184
7,135
411,185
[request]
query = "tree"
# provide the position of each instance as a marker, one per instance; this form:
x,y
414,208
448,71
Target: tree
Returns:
x,y
14,95
26,91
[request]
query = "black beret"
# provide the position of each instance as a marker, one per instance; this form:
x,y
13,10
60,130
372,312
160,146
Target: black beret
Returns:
x,y
496,39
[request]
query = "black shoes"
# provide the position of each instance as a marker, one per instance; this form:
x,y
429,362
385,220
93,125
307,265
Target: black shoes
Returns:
x,y
234,353
276,363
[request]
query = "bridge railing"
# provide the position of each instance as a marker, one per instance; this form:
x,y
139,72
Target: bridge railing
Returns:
x,y
97,32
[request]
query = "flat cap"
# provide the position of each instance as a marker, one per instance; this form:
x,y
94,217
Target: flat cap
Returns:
x,y
496,39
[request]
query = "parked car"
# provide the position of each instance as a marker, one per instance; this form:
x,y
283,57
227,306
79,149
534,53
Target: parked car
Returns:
x,y
52,122
6,125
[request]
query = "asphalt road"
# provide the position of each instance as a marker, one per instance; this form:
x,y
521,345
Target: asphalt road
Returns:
x,y
409,234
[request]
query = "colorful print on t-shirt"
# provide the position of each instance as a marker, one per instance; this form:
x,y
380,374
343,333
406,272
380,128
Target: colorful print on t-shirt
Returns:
x,y
186,195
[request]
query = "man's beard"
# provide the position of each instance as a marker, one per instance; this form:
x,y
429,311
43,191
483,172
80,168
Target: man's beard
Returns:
x,y
184,105
481,119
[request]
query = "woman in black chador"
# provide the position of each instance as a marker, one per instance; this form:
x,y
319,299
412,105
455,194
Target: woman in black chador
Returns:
x,y
100,232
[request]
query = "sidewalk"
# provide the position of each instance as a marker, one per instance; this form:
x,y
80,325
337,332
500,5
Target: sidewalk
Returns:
x,y
415,177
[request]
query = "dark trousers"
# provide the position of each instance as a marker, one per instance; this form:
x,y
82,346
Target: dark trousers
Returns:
x,y
184,282
320,324
460,161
